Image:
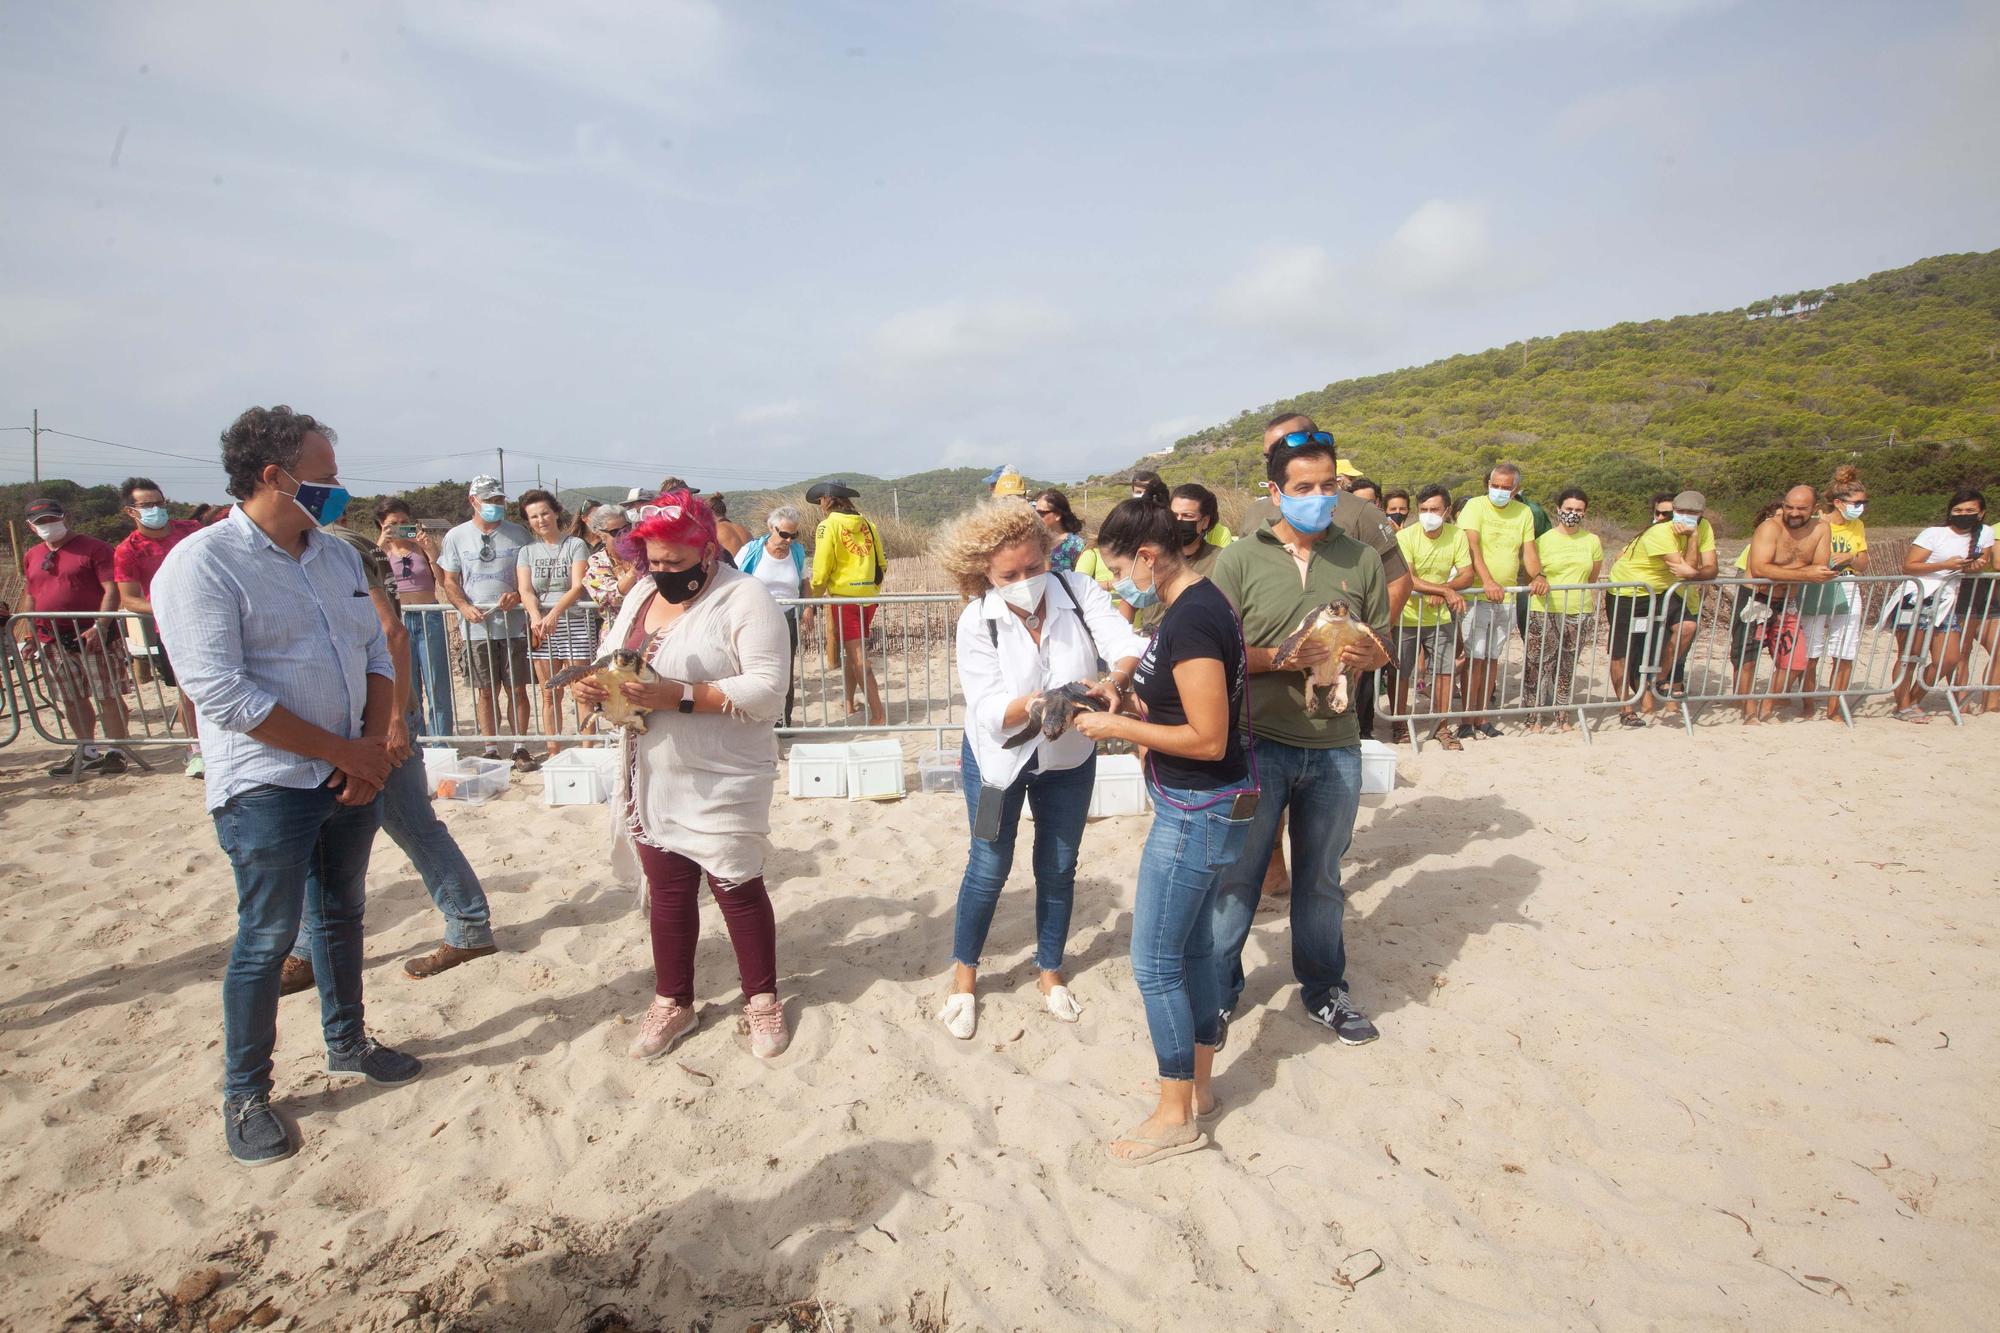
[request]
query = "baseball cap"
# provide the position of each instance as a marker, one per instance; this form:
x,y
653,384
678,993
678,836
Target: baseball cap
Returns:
x,y
1690,502
821,490
40,511
1345,468
485,488
676,484
1009,483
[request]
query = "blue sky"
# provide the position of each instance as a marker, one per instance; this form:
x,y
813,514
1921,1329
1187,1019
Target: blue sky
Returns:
x,y
752,242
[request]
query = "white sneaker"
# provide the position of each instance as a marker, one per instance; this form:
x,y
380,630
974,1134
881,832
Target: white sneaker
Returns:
x,y
960,1015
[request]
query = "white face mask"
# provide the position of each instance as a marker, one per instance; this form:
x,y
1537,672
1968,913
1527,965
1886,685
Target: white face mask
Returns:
x,y
51,532
1431,522
1026,595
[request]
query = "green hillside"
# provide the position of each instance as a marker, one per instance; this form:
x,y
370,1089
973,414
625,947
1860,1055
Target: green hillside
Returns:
x,y
1739,404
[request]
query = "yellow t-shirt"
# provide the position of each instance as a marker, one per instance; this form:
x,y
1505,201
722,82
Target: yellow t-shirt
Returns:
x,y
1567,559
1644,559
1502,534
1432,559
845,550
1219,535
1848,538
1091,565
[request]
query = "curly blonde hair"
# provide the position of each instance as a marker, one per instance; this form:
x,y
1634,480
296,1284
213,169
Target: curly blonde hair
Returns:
x,y
967,543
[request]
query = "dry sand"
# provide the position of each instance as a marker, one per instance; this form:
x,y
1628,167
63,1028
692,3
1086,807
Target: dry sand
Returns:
x,y
1676,1033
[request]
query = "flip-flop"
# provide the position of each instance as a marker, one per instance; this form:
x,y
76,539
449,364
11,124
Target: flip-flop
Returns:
x,y
1916,715
1214,1110
960,1015
1157,1149
1062,1006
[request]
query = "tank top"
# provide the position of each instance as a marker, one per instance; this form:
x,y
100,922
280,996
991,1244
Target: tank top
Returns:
x,y
410,571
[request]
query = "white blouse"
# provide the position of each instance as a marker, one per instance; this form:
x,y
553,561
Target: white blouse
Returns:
x,y
999,661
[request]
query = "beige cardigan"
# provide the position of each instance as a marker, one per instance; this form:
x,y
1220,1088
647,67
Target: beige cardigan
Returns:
x,y
700,784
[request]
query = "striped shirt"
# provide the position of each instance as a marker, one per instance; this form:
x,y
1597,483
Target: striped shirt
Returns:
x,y
249,629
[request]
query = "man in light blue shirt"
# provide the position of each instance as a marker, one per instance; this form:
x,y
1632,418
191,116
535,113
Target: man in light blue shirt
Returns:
x,y
275,639
477,573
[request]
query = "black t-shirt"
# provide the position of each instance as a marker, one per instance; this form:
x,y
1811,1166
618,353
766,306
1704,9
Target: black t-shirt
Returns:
x,y
1200,623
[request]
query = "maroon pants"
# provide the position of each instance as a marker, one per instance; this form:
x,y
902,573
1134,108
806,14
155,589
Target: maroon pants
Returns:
x,y
674,883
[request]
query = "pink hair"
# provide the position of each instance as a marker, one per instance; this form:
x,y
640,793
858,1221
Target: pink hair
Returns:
x,y
692,525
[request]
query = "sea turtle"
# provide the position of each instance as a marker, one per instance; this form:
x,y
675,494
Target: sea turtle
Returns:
x,y
1332,625
1050,711
610,671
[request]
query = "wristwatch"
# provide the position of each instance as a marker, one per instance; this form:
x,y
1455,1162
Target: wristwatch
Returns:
x,y
686,705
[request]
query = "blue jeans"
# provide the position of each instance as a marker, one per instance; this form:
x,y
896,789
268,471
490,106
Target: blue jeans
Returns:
x,y
407,817
297,853
430,657
1173,923
1321,789
1061,800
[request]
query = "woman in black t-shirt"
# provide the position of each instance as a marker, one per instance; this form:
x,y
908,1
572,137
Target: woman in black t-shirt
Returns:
x,y
1190,685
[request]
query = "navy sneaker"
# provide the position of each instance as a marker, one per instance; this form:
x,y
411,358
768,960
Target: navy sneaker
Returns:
x,y
375,1062
255,1135
1222,1029
1348,1023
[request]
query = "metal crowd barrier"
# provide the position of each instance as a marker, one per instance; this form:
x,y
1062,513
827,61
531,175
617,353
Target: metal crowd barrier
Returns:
x,y
1558,669
53,675
1756,646
906,651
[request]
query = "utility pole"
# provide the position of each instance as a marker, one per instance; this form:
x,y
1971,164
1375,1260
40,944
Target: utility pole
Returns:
x,y
896,499
503,468
37,428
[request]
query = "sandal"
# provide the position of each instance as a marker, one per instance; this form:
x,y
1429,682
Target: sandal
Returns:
x,y
1184,1140
1631,720
960,1015
1912,714
1449,741
1062,1005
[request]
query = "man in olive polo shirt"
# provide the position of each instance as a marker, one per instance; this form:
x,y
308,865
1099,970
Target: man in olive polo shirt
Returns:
x,y
1307,764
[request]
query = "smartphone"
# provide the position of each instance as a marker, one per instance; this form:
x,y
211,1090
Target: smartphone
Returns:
x,y
986,814
404,531
1245,805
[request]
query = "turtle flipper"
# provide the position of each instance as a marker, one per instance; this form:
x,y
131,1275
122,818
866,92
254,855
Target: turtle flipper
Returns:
x,y
1037,707
1288,646
570,675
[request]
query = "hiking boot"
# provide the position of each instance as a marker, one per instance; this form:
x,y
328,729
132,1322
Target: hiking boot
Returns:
x,y
296,976
443,959
666,1022
766,1018
375,1062
1347,1023
108,762
255,1135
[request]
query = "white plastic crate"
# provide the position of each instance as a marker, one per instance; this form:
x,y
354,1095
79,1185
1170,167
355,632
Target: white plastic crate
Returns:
x,y
874,770
1120,787
938,770
474,781
1378,768
818,770
579,777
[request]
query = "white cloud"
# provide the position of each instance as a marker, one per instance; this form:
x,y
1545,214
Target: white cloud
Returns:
x,y
966,335
1294,285
1441,250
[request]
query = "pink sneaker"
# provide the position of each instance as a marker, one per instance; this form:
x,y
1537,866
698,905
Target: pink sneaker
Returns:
x,y
666,1022
766,1017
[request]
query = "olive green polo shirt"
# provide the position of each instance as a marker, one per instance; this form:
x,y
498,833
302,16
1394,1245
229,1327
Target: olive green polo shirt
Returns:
x,y
1260,576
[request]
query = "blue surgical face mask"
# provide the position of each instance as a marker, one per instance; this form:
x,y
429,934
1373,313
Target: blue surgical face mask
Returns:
x,y
323,504
491,512
1686,522
153,516
1853,511
1500,496
1308,514
1133,595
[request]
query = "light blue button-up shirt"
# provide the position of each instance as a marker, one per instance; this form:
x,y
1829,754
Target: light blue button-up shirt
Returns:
x,y
250,628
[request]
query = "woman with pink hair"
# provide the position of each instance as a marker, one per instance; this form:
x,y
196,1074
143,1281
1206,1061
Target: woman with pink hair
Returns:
x,y
694,792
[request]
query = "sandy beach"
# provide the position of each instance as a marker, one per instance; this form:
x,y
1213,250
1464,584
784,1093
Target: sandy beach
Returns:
x,y
1676,1033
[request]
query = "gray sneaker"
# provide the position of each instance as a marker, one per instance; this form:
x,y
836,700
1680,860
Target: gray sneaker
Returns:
x,y
1348,1023
255,1135
375,1062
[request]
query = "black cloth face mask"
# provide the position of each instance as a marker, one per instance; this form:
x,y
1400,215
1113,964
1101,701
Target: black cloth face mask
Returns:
x,y
681,585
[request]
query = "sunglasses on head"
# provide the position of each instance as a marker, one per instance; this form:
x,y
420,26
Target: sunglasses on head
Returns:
x,y
1300,438
659,511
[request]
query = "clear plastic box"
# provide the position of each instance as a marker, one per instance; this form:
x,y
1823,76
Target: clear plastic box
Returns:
x,y
474,781
938,770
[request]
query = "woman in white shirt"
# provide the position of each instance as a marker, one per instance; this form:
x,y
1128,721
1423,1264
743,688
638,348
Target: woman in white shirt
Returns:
x,y
778,561
1025,630
1927,609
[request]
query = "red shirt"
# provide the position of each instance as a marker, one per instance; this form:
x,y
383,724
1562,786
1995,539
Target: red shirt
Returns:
x,y
138,557
81,568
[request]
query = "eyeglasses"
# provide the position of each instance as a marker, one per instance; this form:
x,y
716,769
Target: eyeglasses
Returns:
x,y
788,536
48,562
1662,515
409,566
486,547
659,511
1043,512
1298,439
